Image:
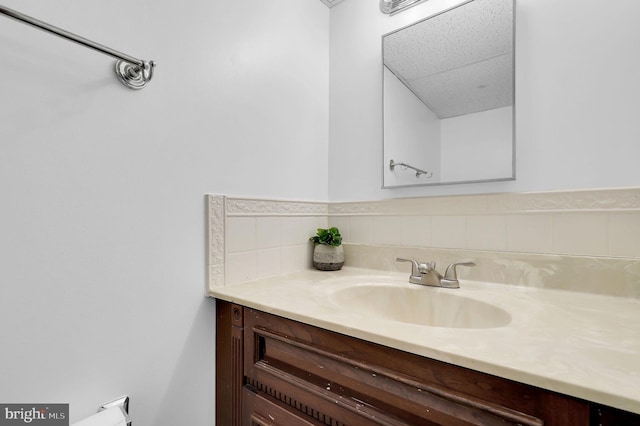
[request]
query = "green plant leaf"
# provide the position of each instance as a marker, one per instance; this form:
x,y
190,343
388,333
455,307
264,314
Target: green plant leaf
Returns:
x,y
330,237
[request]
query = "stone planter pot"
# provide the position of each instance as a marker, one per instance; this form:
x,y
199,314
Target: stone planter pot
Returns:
x,y
328,258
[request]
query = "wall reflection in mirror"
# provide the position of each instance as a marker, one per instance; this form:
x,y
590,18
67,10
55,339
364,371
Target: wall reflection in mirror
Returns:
x,y
449,97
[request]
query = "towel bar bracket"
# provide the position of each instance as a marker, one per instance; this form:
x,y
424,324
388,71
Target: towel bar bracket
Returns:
x,y
132,72
134,76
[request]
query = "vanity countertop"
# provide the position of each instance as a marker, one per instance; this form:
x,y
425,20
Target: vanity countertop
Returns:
x,y
578,344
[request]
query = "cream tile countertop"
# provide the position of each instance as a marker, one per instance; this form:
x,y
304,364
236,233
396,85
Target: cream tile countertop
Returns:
x,y
578,344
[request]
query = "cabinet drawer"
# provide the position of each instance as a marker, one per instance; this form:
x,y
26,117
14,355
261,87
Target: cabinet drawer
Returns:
x,y
261,410
378,382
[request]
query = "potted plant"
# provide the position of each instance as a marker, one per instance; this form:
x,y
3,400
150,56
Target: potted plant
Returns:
x,y
328,253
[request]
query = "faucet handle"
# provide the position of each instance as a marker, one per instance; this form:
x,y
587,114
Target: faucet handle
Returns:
x,y
451,275
414,265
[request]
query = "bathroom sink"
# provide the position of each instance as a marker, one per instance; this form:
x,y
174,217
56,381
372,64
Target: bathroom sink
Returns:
x,y
420,305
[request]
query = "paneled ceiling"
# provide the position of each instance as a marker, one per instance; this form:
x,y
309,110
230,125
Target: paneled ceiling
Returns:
x,y
458,62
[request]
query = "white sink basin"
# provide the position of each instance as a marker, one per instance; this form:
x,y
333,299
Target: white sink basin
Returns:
x,y
420,305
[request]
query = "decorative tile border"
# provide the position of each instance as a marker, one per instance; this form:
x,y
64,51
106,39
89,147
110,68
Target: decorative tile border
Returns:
x,y
215,240
625,199
622,199
265,207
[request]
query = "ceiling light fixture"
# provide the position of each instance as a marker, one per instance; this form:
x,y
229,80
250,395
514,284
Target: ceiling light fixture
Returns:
x,y
391,7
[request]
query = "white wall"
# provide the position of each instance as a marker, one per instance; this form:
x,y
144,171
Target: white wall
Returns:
x,y
102,219
415,134
576,97
478,146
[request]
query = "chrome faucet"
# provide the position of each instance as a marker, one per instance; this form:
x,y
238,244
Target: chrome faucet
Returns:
x,y
426,273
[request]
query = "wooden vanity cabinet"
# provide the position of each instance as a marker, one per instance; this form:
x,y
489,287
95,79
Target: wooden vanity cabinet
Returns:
x,y
275,371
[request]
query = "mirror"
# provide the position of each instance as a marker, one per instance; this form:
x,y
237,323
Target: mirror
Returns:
x,y
448,90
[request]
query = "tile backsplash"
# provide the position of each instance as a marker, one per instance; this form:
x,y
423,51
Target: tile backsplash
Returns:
x,y
253,238
584,223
